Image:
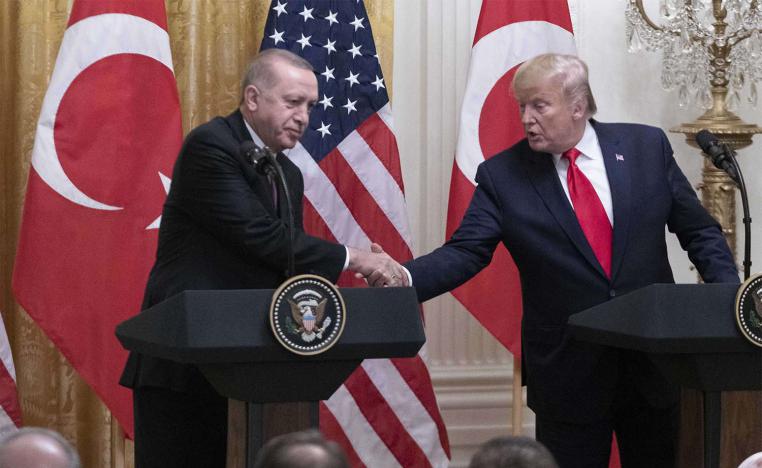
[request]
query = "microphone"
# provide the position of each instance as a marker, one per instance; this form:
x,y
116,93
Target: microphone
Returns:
x,y
262,159
722,155
724,158
265,163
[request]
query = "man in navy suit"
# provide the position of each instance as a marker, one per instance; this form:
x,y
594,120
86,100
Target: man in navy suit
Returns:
x,y
582,206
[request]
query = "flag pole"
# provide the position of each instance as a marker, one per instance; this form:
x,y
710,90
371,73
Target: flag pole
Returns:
x,y
119,448
518,398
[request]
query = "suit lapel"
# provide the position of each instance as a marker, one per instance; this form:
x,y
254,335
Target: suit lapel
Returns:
x,y
542,172
618,171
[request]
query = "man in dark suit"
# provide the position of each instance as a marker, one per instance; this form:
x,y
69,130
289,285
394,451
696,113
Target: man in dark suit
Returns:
x,y
222,228
582,206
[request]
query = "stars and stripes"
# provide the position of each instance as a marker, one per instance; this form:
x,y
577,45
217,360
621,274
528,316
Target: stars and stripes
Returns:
x,y
385,414
10,409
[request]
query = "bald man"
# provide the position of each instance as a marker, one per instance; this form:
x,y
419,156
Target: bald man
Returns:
x,y
34,447
304,449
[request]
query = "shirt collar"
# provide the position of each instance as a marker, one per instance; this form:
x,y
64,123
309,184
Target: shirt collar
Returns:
x,y
588,145
258,141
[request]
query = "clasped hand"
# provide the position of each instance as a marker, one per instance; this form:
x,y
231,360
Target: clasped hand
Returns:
x,y
377,267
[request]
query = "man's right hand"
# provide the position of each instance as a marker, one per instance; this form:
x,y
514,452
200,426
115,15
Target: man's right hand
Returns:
x,y
377,267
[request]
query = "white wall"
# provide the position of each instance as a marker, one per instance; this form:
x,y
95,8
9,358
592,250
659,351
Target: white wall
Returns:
x,y
432,44
628,88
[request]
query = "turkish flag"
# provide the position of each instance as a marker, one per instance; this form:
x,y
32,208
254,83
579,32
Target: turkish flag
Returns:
x,y
108,134
507,34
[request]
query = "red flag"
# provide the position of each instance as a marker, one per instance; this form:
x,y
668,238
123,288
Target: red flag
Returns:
x,y
10,409
508,33
108,133
385,414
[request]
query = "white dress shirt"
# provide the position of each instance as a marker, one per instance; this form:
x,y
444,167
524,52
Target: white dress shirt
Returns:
x,y
590,162
258,141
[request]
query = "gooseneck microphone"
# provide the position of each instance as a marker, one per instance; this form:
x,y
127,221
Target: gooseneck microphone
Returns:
x,y
265,163
724,158
262,159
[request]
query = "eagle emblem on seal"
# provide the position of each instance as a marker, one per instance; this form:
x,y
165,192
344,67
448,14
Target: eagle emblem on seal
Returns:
x,y
748,309
308,313
755,314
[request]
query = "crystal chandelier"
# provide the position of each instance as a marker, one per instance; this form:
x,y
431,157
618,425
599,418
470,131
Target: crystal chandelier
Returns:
x,y
712,48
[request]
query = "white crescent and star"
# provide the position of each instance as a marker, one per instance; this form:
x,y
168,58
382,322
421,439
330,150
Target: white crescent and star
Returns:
x,y
145,38
491,58
166,182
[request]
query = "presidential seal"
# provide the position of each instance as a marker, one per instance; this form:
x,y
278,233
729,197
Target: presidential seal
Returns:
x,y
307,314
749,309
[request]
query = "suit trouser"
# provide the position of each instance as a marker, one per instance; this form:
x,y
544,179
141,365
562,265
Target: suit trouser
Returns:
x,y
180,429
646,434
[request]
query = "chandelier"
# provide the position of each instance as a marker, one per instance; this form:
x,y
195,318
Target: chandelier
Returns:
x,y
712,48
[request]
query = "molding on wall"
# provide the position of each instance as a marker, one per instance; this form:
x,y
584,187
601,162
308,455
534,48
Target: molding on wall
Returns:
x,y
476,404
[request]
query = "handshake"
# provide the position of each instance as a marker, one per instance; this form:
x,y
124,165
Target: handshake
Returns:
x,y
377,267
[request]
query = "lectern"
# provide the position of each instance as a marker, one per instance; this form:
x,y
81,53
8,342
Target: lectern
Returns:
x,y
689,332
226,334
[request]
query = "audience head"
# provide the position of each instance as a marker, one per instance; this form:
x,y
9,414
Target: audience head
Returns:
x,y
754,461
512,452
305,449
35,447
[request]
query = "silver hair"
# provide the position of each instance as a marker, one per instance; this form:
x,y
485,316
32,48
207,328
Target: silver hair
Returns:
x,y
260,70
71,454
569,68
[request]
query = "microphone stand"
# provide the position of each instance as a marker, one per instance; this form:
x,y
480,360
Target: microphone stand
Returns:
x,y
265,162
746,214
291,270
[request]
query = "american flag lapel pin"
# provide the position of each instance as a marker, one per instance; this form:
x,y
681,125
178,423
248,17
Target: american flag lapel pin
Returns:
x,y
619,157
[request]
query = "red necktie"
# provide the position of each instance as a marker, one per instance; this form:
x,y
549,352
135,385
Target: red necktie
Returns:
x,y
589,210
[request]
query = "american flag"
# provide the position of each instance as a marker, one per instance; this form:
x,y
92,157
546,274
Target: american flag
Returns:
x,y
10,410
385,414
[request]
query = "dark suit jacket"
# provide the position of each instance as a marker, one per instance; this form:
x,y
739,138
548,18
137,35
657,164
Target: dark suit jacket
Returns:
x,y
220,230
519,201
